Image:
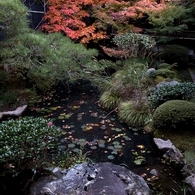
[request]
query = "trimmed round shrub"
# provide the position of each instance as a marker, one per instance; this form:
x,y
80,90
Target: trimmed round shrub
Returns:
x,y
174,114
109,100
27,143
135,115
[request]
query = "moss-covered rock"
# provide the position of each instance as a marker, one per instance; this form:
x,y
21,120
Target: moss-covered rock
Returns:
x,y
175,114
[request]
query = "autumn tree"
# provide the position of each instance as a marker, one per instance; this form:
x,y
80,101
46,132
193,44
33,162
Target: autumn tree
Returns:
x,y
121,16
92,20
74,19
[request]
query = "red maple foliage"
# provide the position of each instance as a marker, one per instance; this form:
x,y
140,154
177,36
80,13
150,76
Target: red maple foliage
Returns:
x,y
88,20
71,17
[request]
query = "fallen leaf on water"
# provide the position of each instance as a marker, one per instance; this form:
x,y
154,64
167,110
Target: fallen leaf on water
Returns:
x,y
88,128
140,146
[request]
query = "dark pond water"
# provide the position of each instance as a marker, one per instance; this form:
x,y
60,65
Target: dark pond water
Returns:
x,y
85,123
104,138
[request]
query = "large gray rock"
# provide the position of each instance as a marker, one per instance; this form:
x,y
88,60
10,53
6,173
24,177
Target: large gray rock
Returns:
x,y
92,179
171,152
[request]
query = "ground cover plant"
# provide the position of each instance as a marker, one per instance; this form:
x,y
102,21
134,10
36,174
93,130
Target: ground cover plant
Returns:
x,y
27,144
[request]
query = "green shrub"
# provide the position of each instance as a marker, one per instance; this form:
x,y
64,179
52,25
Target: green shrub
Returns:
x,y
159,79
133,114
171,91
175,114
27,143
166,73
175,54
109,100
164,66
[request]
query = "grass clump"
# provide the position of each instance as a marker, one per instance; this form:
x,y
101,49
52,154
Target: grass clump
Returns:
x,y
109,100
133,114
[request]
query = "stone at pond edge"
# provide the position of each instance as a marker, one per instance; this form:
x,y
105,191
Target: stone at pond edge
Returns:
x,y
16,112
190,180
92,179
171,152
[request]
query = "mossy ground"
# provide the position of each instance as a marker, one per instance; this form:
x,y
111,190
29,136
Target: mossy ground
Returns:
x,y
183,140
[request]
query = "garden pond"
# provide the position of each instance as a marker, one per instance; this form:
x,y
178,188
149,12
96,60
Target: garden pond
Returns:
x,y
85,124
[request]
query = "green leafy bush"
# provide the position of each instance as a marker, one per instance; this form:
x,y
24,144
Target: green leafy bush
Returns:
x,y
172,90
134,43
131,75
133,114
175,114
27,143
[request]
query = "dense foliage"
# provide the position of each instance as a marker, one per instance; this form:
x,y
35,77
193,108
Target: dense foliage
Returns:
x,y
92,20
175,114
27,143
172,90
126,92
168,21
45,59
134,43
13,18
